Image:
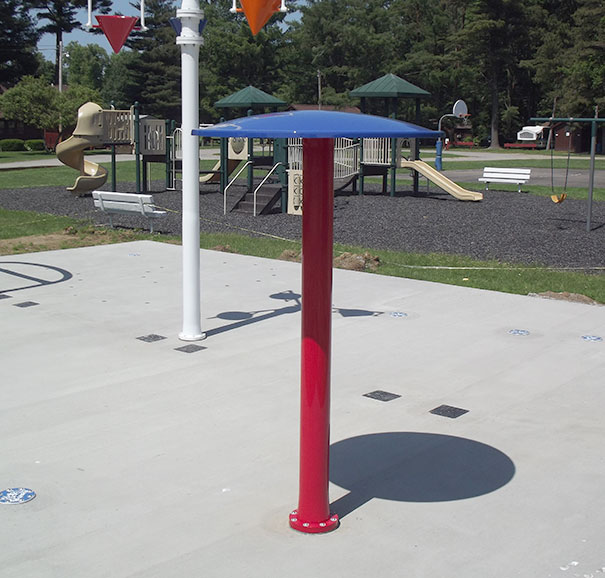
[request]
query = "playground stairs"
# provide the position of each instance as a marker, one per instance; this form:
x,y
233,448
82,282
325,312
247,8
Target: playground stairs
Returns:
x,y
266,200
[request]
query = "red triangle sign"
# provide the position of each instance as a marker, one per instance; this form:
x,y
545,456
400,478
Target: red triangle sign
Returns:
x,y
258,12
117,29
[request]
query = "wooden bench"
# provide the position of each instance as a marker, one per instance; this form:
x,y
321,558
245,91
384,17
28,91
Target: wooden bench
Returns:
x,y
512,176
110,202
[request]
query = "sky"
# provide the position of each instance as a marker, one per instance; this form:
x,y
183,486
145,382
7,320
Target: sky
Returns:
x,y
46,44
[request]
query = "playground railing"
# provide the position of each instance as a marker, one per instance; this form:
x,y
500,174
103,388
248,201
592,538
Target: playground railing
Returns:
x,y
346,156
263,182
241,170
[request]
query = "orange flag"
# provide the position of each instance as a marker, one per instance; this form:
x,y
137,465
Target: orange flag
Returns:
x,y
258,12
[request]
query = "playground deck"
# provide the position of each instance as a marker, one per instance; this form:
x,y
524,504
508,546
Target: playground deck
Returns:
x,y
152,457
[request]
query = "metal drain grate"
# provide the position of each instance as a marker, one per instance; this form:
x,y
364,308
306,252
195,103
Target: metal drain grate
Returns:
x,y
518,332
592,338
449,411
16,496
25,304
382,395
151,338
191,348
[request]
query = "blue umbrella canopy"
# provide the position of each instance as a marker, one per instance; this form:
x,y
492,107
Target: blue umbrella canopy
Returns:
x,y
316,124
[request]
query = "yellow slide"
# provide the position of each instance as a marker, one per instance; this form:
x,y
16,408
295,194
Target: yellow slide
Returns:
x,y
214,176
88,133
442,181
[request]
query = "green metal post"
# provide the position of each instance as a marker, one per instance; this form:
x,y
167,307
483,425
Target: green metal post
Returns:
x,y
250,158
168,143
137,155
593,150
416,146
280,155
113,161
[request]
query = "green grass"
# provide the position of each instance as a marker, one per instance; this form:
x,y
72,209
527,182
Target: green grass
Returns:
x,y
17,156
440,268
25,223
66,176
576,164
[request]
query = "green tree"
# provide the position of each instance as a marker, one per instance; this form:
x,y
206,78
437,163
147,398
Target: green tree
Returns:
x,y
18,37
350,42
584,61
61,19
33,102
86,65
119,83
157,70
492,44
231,58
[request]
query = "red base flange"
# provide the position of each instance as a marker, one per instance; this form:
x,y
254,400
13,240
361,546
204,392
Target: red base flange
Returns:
x,y
313,527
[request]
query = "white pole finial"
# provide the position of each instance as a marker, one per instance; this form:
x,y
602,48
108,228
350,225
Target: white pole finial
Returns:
x,y
88,24
143,27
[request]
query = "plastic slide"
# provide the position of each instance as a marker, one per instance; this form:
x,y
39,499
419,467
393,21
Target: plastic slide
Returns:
x,y
214,176
442,181
88,133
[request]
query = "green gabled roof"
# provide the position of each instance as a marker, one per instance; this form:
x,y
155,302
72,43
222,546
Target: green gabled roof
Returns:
x,y
249,97
389,85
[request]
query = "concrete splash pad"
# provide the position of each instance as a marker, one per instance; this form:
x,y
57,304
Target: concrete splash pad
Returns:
x,y
150,457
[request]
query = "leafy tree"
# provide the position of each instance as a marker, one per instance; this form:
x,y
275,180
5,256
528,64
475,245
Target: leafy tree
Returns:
x,y
33,102
86,65
350,42
231,58
61,17
156,69
584,60
119,83
18,37
492,43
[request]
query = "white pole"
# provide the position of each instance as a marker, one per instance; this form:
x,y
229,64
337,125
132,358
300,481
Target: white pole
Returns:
x,y
190,41
88,24
143,27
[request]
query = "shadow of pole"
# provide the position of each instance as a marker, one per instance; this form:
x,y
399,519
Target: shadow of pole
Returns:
x,y
243,318
414,467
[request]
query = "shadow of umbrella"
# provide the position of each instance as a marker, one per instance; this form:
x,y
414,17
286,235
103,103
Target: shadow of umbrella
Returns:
x,y
414,467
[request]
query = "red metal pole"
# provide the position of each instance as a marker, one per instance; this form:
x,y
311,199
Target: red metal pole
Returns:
x,y
313,513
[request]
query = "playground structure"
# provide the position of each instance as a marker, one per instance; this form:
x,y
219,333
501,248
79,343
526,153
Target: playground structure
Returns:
x,y
318,129
96,127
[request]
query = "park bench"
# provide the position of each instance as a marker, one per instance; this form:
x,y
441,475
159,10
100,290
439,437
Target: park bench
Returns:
x,y
498,175
110,202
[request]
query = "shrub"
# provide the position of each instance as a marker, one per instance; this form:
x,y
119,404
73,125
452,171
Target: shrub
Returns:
x,y
12,144
35,144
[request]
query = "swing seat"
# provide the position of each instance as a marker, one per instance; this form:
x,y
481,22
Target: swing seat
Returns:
x,y
558,198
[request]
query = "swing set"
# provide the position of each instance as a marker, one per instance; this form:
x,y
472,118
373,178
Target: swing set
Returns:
x,y
593,148
559,198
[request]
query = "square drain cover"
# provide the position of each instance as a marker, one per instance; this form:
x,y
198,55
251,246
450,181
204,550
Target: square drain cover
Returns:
x,y
449,411
26,304
381,395
151,338
191,348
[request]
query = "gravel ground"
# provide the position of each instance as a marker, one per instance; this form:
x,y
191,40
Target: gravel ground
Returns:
x,y
505,226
